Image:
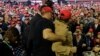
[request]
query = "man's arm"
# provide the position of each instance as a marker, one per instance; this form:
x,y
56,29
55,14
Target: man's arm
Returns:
x,y
49,35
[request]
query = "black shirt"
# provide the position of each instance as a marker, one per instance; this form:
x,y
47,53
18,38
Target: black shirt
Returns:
x,y
42,47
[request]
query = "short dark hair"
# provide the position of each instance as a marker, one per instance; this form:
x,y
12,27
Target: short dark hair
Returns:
x,y
41,7
12,32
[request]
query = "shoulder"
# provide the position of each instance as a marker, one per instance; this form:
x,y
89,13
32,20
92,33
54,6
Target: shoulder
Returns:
x,y
58,22
4,47
45,22
36,17
5,50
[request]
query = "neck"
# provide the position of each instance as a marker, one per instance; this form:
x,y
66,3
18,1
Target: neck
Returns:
x,y
46,17
65,21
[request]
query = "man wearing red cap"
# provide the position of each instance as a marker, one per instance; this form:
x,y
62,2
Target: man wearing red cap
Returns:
x,y
65,14
42,34
63,48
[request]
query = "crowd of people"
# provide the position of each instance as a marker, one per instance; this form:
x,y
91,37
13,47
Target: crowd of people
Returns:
x,y
49,30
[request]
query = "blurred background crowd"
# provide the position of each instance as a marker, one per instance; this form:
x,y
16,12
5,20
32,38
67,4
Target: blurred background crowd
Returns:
x,y
15,18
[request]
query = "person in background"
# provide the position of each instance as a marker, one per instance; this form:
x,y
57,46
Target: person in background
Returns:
x,y
12,24
18,26
96,26
12,40
96,48
25,22
28,2
89,40
6,16
14,18
14,3
97,40
6,46
73,24
25,31
79,41
3,26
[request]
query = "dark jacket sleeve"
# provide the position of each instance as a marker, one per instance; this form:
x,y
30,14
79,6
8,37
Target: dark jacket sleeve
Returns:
x,y
5,50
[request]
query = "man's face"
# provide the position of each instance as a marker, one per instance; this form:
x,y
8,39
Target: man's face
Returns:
x,y
96,21
49,14
26,21
13,24
78,31
89,14
14,19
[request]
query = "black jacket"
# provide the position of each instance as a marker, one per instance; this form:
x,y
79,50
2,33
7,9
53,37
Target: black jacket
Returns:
x,y
95,30
30,32
80,49
5,50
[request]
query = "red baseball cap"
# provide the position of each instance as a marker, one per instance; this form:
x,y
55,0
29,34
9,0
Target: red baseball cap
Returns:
x,y
65,14
46,9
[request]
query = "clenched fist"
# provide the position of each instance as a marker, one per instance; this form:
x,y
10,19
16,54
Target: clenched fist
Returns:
x,y
74,49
